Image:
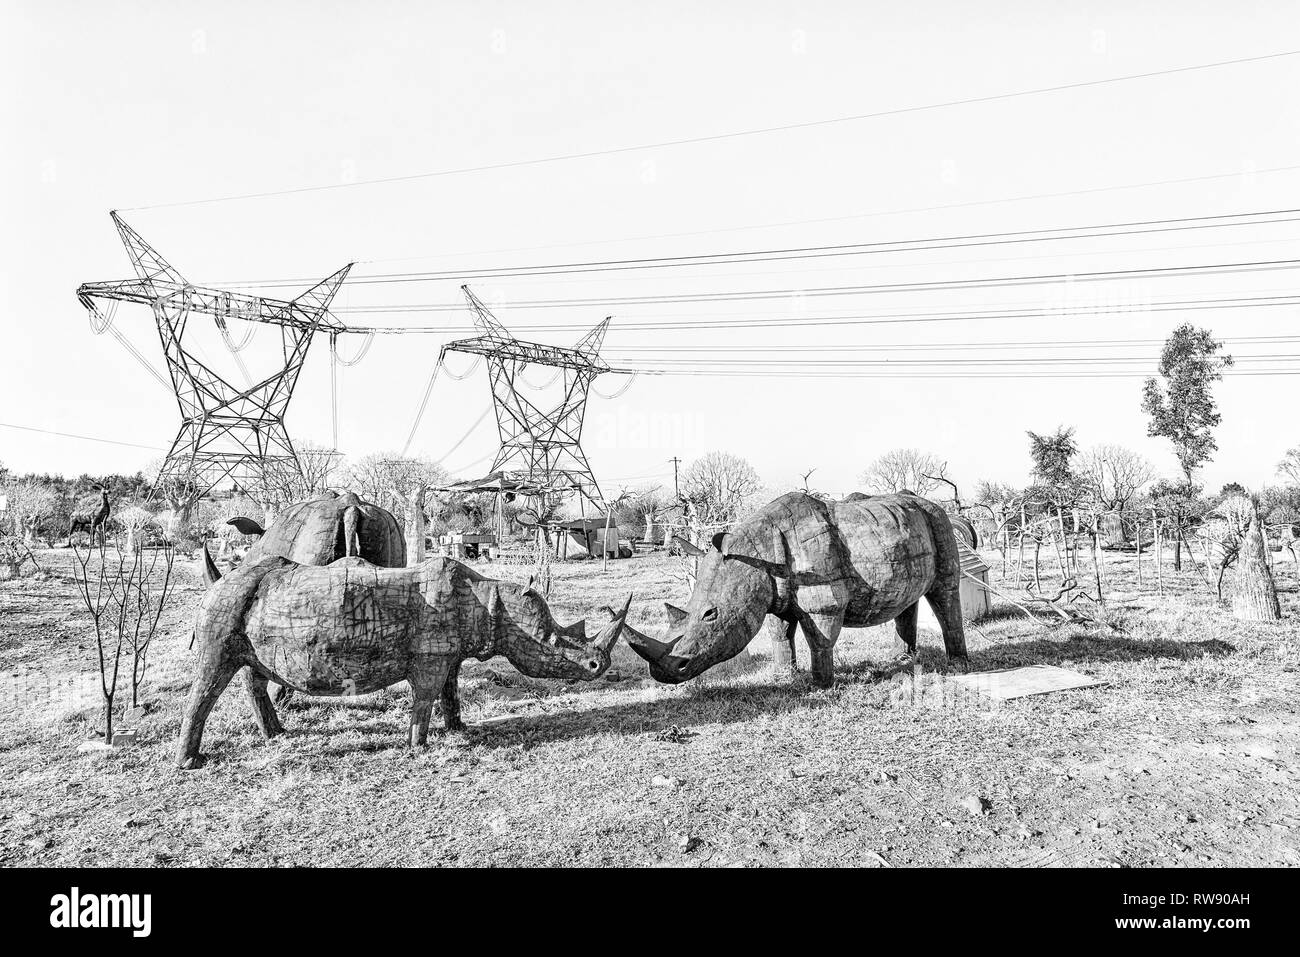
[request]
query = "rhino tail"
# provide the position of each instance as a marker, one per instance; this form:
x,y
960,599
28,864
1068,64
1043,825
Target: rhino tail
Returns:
x,y
351,531
947,558
945,595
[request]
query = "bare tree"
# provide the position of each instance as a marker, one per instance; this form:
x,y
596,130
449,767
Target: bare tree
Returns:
x,y
401,484
125,597
279,483
1114,475
1289,467
146,595
182,494
720,488
903,469
645,504
30,503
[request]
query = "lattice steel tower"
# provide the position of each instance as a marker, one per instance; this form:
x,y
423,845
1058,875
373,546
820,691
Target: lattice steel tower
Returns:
x,y
226,431
539,446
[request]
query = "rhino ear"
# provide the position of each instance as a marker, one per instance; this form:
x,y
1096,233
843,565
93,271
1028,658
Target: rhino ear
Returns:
x,y
686,547
492,601
793,536
758,543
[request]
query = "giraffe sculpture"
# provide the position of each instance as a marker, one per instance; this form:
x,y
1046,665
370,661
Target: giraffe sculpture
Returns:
x,y
92,521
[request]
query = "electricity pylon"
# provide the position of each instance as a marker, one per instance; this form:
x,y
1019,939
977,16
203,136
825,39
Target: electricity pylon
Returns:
x,y
226,431
540,446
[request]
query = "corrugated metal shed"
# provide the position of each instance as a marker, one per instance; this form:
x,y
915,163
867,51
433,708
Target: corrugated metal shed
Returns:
x,y
975,599
970,561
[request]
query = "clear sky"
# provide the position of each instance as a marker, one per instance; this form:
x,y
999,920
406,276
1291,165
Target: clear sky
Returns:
x,y
134,106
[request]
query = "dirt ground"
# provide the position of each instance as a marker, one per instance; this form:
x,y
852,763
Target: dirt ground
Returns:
x,y
1185,755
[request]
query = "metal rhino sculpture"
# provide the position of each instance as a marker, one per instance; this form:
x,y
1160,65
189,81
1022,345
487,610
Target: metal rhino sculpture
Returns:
x,y
319,530
351,627
819,566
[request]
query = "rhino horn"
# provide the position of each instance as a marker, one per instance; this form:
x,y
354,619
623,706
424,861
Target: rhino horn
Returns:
x,y
210,572
610,633
651,649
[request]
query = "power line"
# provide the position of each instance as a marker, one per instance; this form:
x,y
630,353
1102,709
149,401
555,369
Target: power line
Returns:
x,y
1085,191
701,325
941,285
943,346
1079,360
1098,231
760,131
85,438
946,375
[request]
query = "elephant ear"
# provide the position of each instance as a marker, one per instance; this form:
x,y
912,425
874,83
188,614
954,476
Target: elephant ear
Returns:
x,y
793,536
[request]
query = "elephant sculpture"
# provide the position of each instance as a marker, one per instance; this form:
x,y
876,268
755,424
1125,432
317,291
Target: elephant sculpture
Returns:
x,y
351,627
320,530
818,566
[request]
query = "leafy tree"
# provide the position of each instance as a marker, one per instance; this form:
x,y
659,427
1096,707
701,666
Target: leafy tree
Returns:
x,y
1053,456
1180,505
1182,409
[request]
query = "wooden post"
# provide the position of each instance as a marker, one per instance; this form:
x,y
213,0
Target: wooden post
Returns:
x,y
1096,558
1060,562
1139,545
1160,557
1020,556
604,545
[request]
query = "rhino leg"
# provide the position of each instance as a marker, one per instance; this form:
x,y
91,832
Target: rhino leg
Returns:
x,y
821,630
946,603
216,667
782,634
450,701
268,722
905,625
427,678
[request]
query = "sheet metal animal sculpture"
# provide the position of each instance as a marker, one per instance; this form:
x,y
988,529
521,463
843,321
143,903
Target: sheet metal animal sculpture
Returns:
x,y
323,529
819,566
351,627
92,520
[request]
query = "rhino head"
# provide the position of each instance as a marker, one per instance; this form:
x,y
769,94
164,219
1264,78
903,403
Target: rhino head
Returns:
x,y
732,596
534,642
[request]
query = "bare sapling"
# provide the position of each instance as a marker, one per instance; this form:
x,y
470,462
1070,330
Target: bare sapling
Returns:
x,y
125,597
149,603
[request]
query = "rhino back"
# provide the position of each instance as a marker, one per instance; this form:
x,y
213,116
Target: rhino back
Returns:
x,y
892,552
347,628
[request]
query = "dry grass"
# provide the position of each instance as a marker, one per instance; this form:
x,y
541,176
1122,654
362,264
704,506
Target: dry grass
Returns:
x,y
1185,755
